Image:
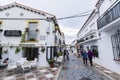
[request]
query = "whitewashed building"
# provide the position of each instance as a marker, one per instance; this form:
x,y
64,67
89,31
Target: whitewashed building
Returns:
x,y
28,32
88,34
109,31
107,28
74,47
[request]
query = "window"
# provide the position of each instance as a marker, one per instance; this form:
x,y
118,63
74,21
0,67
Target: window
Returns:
x,y
94,48
50,52
31,53
115,38
32,34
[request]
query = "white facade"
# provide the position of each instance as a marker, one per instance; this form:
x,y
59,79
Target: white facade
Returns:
x,y
18,17
108,28
74,47
106,49
88,34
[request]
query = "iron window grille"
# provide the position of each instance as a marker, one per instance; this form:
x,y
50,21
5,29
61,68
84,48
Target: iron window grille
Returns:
x,y
95,50
115,39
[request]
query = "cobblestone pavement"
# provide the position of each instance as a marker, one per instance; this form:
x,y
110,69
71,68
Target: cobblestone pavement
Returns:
x,y
73,69
43,73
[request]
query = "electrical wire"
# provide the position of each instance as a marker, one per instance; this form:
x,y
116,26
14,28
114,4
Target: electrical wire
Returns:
x,y
77,15
72,17
62,18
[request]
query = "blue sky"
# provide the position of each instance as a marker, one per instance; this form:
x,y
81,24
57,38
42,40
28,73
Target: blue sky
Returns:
x,y
62,8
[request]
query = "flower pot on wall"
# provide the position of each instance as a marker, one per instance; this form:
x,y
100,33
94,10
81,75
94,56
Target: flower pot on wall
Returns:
x,y
26,29
37,30
51,65
5,51
1,30
51,62
17,50
42,49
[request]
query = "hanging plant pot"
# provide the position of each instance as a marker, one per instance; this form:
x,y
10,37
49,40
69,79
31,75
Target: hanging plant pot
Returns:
x,y
17,50
26,29
6,51
37,30
43,49
91,36
51,65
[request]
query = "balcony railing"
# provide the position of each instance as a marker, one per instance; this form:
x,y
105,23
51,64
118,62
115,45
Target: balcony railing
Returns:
x,y
110,15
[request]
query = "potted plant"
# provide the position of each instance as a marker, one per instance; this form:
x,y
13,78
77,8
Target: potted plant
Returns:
x,y
37,30
91,36
23,37
6,51
26,29
17,50
51,62
42,49
59,54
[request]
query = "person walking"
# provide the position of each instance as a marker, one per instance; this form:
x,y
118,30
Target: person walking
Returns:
x,y
85,56
64,55
67,54
90,56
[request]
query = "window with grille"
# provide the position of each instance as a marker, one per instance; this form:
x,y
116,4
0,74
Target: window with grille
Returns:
x,y
94,48
51,52
115,38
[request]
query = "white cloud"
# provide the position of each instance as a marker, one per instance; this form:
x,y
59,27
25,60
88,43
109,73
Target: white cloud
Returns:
x,y
70,33
68,30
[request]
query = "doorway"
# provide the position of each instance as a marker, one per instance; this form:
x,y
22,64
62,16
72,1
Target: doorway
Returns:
x,y
31,53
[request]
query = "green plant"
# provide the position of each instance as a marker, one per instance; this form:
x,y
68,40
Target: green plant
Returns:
x,y
37,30
23,37
6,51
26,29
43,49
51,61
23,49
17,50
11,47
30,58
59,54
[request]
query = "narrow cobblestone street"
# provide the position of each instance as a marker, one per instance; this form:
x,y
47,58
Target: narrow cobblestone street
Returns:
x,y
73,69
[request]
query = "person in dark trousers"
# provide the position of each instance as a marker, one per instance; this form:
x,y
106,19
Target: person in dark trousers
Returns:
x,y
85,56
64,54
67,54
90,56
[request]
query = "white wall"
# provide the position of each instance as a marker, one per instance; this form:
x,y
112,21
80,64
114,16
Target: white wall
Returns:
x,y
21,25
105,50
106,58
42,59
90,25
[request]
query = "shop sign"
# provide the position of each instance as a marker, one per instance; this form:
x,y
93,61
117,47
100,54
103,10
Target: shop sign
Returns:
x,y
12,33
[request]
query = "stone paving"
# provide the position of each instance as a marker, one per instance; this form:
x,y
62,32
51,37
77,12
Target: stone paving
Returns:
x,y
73,69
43,73
109,73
